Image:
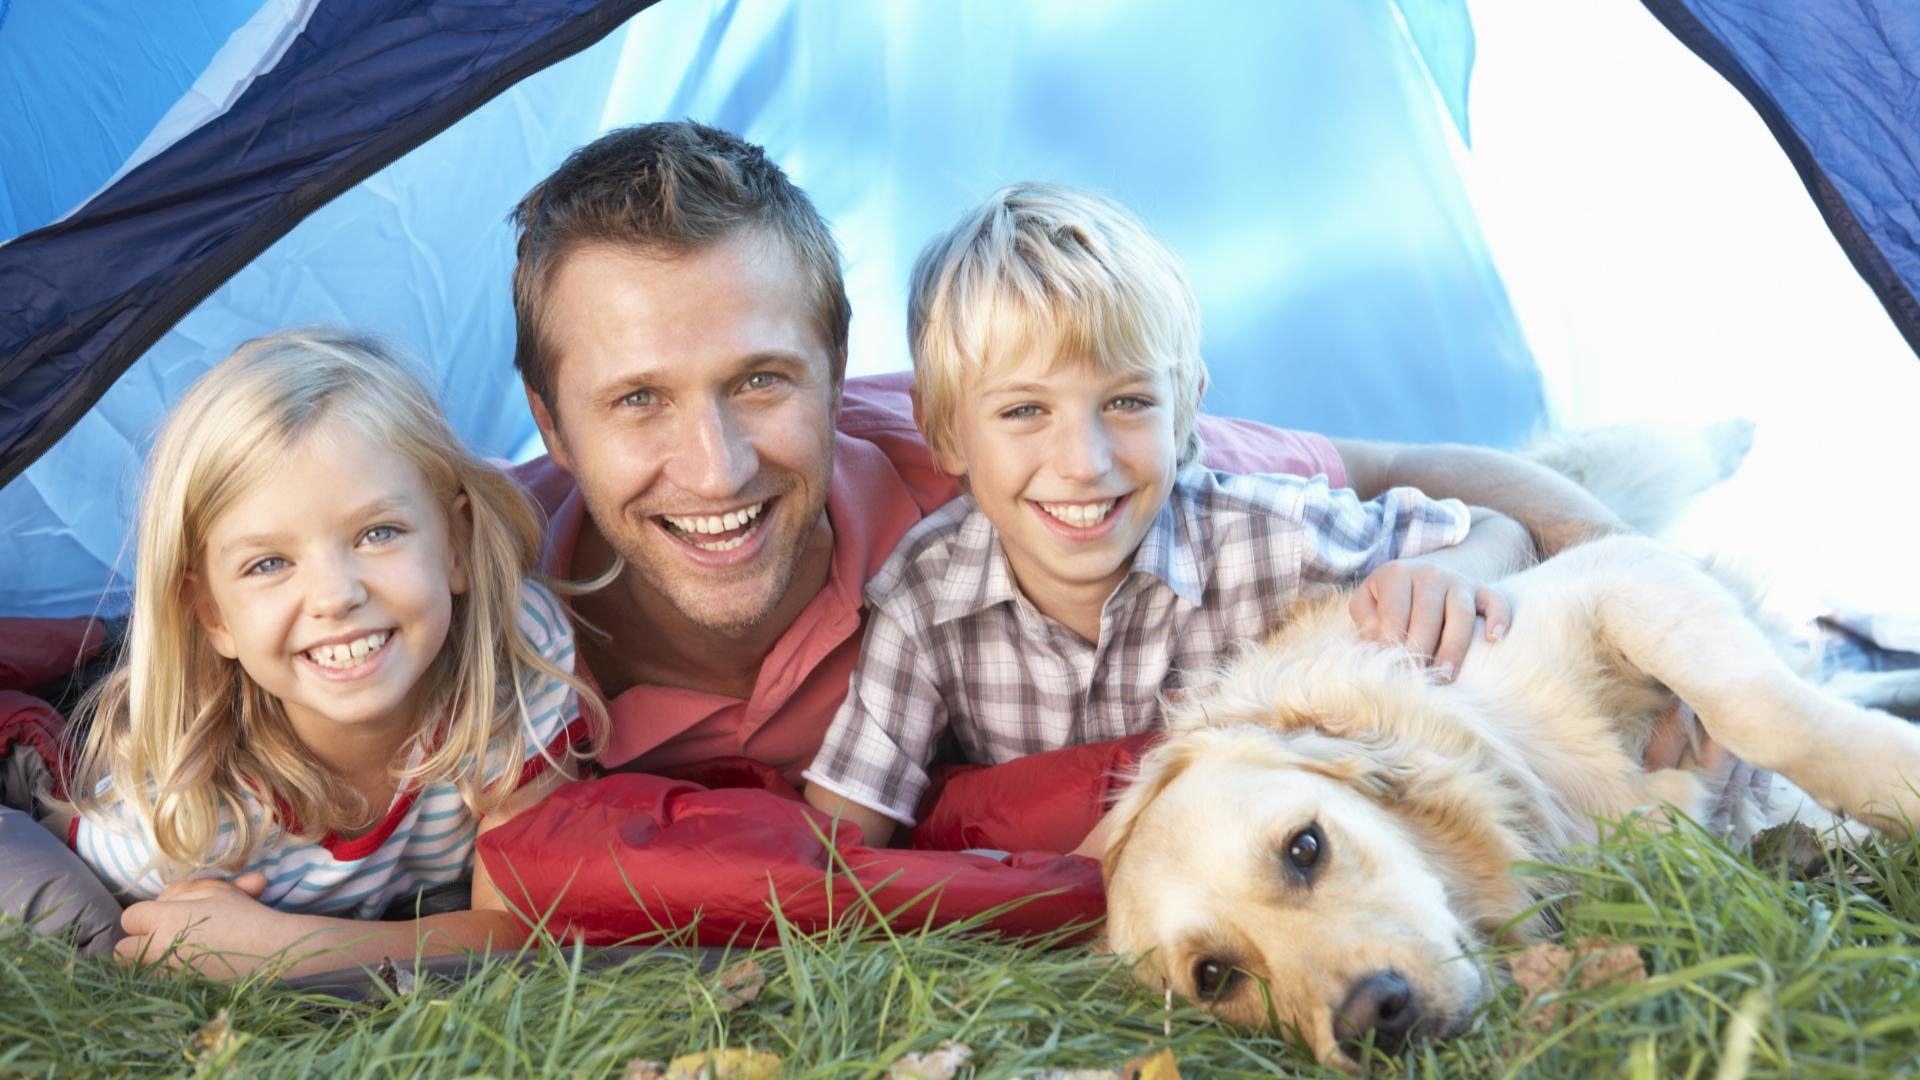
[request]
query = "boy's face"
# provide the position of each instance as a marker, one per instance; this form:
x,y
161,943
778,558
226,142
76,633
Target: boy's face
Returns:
x,y
1070,463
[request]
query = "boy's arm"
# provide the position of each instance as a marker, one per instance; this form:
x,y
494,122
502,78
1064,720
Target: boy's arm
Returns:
x,y
224,931
874,755
1556,512
1430,603
875,826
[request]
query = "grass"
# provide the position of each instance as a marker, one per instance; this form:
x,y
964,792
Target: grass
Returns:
x,y
1750,972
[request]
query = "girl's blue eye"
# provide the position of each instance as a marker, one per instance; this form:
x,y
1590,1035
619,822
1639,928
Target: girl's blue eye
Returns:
x,y
269,565
380,534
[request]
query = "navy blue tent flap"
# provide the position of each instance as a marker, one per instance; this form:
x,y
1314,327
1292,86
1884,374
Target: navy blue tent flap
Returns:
x,y
1835,84
364,83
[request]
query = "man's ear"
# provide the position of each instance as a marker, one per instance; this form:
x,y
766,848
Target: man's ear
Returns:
x,y
946,458
459,542
543,419
197,596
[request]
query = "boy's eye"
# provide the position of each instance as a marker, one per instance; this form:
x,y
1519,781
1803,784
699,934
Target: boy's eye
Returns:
x,y
1020,412
272,564
1129,403
380,534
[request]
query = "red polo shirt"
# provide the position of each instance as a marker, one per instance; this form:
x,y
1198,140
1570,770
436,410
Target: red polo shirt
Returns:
x,y
884,482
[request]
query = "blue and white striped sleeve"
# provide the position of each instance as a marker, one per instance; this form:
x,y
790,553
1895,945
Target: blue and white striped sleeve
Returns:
x,y
552,719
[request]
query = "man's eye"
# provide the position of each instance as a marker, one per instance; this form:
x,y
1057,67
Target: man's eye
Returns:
x,y
380,534
639,399
762,380
272,564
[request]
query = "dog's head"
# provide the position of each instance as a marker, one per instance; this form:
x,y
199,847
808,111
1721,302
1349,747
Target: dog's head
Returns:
x,y
1324,872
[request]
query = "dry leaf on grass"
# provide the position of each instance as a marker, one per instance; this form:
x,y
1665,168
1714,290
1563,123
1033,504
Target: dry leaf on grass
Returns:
x,y
1158,1066
1543,968
722,1064
733,986
214,1038
1793,846
939,1063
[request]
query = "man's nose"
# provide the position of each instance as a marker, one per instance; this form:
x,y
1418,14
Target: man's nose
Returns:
x,y
715,457
334,586
1083,449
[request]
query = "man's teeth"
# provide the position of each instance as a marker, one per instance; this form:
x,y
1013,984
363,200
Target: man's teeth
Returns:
x,y
1079,515
716,523
348,654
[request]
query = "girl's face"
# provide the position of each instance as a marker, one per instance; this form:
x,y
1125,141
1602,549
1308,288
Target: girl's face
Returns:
x,y
332,583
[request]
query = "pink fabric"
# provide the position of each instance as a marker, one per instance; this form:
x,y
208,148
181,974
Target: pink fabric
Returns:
x,y
884,482
34,652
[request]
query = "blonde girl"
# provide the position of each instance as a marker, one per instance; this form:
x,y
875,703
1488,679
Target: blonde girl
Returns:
x,y
339,671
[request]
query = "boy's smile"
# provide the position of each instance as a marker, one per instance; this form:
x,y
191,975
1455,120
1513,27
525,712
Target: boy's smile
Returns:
x,y
1070,463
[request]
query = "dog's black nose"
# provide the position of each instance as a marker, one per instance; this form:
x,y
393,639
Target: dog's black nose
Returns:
x,y
1381,1003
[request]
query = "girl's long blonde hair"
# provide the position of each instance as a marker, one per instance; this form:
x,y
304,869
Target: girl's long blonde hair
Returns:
x,y
184,734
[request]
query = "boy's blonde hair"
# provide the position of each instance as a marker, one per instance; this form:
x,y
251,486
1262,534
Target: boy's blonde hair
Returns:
x,y
1050,266
184,734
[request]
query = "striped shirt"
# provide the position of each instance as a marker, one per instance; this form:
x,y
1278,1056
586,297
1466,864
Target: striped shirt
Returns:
x,y
953,644
425,839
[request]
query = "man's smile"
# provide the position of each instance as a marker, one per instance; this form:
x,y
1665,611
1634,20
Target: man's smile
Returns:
x,y
717,533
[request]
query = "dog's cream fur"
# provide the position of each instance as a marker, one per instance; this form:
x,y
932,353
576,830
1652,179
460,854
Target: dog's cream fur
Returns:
x,y
1426,794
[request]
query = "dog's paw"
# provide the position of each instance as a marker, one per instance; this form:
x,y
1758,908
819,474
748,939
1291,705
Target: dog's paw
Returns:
x,y
1728,443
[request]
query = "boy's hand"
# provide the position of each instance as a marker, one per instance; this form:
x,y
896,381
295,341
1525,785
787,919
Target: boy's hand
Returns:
x,y
1428,608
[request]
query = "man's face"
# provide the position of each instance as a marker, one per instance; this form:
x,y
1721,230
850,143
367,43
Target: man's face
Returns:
x,y
694,403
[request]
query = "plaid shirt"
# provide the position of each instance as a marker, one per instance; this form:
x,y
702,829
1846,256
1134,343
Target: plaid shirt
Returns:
x,y
953,643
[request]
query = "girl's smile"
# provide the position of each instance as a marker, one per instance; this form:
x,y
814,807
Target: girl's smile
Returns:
x,y
332,582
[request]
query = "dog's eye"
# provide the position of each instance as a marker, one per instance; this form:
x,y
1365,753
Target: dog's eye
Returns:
x,y
1305,847
1211,977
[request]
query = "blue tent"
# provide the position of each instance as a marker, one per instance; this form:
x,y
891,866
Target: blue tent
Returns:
x,y
171,183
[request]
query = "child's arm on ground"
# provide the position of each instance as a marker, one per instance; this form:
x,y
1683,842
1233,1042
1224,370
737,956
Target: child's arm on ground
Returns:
x,y
1555,511
1430,603
225,931
875,827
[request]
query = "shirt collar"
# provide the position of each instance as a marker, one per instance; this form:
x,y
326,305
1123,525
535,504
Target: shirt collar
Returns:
x,y
1172,550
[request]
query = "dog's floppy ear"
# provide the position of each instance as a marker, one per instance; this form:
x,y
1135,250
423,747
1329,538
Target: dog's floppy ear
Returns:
x,y
1161,766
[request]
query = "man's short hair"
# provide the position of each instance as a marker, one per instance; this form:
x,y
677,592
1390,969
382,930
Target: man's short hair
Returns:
x,y
665,189
1049,266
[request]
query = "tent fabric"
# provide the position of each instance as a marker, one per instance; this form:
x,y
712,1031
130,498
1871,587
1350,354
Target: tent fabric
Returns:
x,y
1343,281
1835,83
363,84
638,857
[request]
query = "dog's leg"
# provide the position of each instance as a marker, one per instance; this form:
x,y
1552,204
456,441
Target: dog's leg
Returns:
x,y
1669,619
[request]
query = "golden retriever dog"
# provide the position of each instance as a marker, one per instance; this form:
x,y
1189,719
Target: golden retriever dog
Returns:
x,y
1325,838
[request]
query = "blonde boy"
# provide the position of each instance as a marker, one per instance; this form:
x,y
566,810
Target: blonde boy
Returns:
x,y
1092,565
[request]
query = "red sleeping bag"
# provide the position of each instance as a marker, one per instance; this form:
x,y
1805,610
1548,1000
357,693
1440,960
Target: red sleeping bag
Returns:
x,y
635,856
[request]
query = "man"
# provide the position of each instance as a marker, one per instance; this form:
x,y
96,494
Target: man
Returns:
x,y
682,338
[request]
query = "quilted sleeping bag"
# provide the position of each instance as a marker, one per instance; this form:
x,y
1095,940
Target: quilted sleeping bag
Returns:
x,y
708,855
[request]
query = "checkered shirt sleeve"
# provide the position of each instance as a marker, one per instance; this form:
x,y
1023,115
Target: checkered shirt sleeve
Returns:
x,y
1352,538
880,742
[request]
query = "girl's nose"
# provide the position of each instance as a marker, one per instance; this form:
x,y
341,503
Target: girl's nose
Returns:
x,y
336,588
